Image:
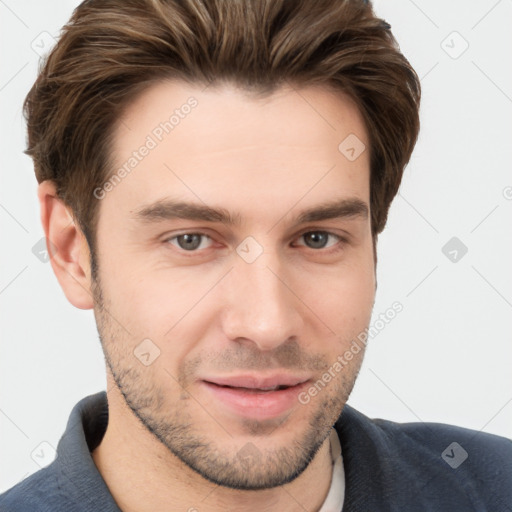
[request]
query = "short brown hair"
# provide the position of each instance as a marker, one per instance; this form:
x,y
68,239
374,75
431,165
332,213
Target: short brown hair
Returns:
x,y
111,50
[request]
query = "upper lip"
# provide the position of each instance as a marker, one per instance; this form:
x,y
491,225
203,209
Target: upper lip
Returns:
x,y
258,381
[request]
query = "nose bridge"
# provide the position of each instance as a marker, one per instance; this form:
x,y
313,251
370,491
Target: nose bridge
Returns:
x,y
261,307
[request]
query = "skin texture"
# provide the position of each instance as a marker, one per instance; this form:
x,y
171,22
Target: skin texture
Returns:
x,y
170,444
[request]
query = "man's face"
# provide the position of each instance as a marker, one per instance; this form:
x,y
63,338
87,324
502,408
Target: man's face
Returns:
x,y
204,320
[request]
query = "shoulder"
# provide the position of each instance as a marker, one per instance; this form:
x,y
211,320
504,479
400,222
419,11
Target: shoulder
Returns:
x,y
39,492
436,458
71,483
480,464
432,437
486,453
435,434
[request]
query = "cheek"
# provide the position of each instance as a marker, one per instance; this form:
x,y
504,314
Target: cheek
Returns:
x,y
157,304
345,304
160,302
166,306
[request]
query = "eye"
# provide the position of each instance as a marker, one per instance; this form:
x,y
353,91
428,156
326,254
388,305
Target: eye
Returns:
x,y
189,241
193,242
319,239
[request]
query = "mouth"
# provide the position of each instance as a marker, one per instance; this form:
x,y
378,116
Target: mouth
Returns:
x,y
252,390
250,396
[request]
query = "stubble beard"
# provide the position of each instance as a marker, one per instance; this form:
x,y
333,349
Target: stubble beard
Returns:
x,y
251,467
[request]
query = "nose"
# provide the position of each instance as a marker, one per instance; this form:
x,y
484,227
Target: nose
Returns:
x,y
261,306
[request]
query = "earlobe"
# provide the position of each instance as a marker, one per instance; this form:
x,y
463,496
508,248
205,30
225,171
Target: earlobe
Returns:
x,y
67,247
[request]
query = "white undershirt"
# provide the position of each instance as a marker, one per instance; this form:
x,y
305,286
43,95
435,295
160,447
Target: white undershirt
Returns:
x,y
334,500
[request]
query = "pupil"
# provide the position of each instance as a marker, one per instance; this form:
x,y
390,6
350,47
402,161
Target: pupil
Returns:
x,y
190,241
318,238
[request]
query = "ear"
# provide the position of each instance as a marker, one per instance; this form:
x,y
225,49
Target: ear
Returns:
x,y
67,247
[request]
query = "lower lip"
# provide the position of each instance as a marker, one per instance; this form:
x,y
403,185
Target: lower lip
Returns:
x,y
256,405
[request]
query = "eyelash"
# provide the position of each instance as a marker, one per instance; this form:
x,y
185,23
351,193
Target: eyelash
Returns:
x,y
330,250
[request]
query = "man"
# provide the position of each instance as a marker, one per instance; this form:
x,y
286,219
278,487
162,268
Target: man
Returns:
x,y
213,178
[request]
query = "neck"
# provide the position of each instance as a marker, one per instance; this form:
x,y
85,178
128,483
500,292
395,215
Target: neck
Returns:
x,y
143,475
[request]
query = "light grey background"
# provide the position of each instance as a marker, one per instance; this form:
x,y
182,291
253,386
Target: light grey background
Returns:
x,y
446,357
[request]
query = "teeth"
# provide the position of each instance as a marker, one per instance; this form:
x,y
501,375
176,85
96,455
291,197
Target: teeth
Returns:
x,y
259,389
275,388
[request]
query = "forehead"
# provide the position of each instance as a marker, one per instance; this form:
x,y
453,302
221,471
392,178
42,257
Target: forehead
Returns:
x,y
219,143
220,110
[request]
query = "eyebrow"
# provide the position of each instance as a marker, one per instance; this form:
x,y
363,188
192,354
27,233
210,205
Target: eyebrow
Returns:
x,y
168,209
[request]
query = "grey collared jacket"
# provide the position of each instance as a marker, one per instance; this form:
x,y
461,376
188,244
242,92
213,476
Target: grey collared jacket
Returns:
x,y
402,467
